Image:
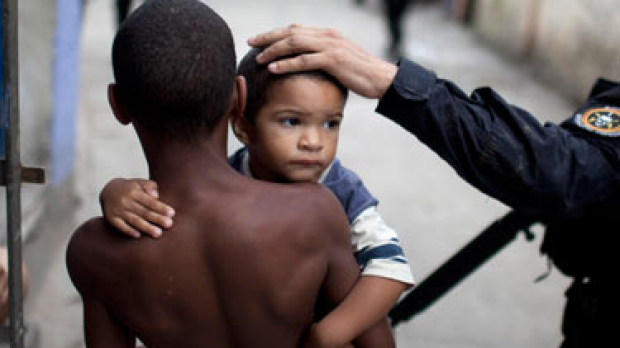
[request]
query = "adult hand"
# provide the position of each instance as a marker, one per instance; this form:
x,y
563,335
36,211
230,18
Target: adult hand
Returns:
x,y
325,49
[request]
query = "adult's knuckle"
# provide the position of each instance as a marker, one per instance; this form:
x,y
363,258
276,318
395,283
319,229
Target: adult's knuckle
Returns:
x,y
336,56
293,42
332,33
294,28
304,60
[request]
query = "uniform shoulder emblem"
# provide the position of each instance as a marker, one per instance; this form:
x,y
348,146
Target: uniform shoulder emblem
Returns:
x,y
601,120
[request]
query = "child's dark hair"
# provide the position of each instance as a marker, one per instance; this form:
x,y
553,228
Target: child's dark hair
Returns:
x,y
259,81
174,66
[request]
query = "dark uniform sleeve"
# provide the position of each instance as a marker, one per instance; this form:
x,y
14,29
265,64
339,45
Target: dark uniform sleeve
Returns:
x,y
499,148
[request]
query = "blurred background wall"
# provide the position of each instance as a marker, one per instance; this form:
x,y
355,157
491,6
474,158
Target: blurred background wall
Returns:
x,y
568,43
48,75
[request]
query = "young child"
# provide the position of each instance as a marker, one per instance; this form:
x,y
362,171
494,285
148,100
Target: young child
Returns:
x,y
290,130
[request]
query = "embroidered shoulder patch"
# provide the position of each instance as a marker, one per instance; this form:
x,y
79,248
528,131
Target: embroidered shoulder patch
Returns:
x,y
601,120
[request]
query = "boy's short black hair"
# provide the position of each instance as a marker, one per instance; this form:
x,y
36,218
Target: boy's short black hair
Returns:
x,y
259,81
174,66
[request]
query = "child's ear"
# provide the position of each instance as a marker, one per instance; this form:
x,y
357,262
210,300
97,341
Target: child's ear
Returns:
x,y
242,128
117,108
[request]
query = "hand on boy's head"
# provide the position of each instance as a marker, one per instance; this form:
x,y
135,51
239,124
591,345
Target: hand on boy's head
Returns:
x,y
325,49
132,206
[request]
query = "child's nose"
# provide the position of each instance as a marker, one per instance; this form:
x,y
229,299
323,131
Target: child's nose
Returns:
x,y
311,140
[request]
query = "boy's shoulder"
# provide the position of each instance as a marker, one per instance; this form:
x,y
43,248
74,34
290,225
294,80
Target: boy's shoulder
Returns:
x,y
313,198
306,210
86,252
349,189
86,236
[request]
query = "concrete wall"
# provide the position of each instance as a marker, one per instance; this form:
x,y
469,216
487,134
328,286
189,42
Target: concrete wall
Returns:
x,y
570,42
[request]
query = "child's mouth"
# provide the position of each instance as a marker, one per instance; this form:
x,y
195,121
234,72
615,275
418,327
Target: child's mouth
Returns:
x,y
307,163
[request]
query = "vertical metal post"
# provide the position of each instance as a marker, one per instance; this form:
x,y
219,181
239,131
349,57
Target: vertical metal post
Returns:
x,y
13,171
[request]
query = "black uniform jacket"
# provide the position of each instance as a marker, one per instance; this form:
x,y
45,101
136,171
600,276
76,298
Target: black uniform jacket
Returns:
x,y
568,173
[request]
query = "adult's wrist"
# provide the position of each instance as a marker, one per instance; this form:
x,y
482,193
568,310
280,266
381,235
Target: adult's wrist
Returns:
x,y
385,76
412,83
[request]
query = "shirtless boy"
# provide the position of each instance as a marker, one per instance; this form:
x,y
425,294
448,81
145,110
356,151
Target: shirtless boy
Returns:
x,y
290,129
246,260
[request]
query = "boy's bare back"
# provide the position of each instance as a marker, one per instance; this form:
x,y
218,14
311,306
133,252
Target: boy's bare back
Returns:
x,y
246,260
241,268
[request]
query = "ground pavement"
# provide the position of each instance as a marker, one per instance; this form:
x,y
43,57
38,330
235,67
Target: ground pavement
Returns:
x,y
434,211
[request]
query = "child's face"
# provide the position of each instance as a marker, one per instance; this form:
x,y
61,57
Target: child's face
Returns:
x,y
295,134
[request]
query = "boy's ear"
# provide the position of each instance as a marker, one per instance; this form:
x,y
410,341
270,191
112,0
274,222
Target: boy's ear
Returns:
x,y
239,124
117,107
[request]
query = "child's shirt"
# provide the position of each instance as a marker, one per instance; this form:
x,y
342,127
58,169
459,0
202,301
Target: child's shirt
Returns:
x,y
375,244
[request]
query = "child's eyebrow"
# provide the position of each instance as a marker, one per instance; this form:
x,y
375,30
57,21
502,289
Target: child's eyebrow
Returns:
x,y
298,112
290,111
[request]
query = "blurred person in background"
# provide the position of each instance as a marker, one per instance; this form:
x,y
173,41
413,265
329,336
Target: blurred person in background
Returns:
x,y
394,12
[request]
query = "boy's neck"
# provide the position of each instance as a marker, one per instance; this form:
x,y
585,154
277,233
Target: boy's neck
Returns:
x,y
194,161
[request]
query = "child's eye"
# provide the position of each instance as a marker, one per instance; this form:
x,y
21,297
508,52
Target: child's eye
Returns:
x,y
290,121
332,124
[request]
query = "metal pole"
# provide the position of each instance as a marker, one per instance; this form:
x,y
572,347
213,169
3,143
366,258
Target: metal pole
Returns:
x,y
13,172
464,262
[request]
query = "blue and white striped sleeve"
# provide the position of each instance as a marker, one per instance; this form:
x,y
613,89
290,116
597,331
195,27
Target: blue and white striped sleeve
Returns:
x,y
377,248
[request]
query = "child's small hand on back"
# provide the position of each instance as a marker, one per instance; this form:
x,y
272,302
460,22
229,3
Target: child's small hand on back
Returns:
x,y
132,206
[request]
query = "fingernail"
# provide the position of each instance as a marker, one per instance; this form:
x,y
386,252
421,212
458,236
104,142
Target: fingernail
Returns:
x,y
156,232
171,212
273,67
168,222
260,57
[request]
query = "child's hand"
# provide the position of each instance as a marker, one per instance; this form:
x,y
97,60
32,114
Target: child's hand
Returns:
x,y
133,207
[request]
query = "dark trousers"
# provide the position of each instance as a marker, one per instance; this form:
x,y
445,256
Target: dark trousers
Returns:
x,y
591,316
394,12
